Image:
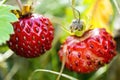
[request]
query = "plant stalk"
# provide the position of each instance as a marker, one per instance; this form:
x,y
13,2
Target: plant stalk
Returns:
x,y
49,71
63,63
19,4
3,2
116,5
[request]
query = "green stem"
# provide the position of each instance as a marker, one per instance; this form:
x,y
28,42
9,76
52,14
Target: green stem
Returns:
x,y
99,73
75,10
63,63
6,55
3,2
116,5
73,5
19,4
49,71
30,2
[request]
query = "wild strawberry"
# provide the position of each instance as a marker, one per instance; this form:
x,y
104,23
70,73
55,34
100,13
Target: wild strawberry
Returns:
x,y
89,52
33,35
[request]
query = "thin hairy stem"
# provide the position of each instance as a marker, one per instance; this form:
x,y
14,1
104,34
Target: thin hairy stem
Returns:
x,y
3,2
19,4
63,63
12,71
53,72
116,5
6,55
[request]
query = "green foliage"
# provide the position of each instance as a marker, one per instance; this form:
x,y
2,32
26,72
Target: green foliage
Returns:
x,y
6,17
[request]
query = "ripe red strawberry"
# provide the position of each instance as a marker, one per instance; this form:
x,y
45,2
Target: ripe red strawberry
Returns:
x,y
32,36
89,52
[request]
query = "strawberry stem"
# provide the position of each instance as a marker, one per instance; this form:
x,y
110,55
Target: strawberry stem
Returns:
x,y
3,2
73,4
19,4
100,72
63,63
73,9
12,72
116,5
6,55
30,2
49,71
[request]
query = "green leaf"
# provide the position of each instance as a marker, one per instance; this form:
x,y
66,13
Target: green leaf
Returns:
x,y
6,17
5,8
9,17
4,38
5,30
6,27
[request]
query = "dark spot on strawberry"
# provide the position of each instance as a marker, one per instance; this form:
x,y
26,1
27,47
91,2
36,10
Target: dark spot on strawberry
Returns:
x,y
43,37
91,46
45,29
33,37
100,52
79,55
71,66
30,23
18,30
112,44
105,47
76,63
27,30
46,23
104,37
89,63
100,63
111,52
22,24
38,42
68,51
98,40
87,56
43,49
37,22
36,29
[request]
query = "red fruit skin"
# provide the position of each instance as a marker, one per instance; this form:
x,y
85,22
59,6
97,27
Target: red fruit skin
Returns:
x,y
88,53
32,36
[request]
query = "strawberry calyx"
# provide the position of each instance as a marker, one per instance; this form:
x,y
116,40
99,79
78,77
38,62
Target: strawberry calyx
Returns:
x,y
78,27
25,12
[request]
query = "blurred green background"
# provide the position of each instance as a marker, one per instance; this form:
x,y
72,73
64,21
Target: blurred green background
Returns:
x,y
60,13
